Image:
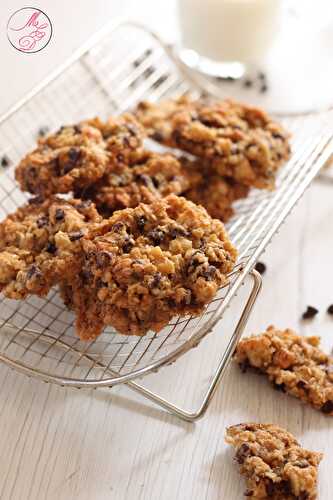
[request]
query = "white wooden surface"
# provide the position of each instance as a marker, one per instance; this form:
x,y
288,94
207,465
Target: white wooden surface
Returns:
x,y
69,444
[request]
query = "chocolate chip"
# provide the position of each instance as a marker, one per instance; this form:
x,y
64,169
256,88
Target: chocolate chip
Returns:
x,y
42,221
278,136
33,271
60,130
301,385
84,204
285,487
158,136
242,453
156,236
143,178
74,154
156,280
263,88
175,232
133,129
37,200
86,275
51,248
118,227
155,182
120,157
5,161
59,214
270,489
77,129
330,309
127,246
260,267
75,235
248,493
43,131
327,407
68,167
261,75
103,259
209,273
310,313
304,495
248,83
141,221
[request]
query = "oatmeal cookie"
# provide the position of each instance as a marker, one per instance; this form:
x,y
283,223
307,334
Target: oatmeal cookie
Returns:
x,y
238,141
215,193
39,243
149,178
274,464
145,265
294,364
76,156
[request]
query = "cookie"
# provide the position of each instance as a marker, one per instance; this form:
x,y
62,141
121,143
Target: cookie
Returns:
x,y
144,179
39,243
294,365
77,156
215,193
273,463
145,265
237,140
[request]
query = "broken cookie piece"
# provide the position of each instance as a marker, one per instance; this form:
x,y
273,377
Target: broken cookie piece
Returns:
x,y
294,364
40,243
273,463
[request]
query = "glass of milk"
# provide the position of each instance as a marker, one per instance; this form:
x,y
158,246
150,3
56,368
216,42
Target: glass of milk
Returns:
x,y
229,31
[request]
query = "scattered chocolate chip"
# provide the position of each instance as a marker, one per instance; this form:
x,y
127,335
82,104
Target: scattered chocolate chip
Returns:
x,y
77,129
330,309
68,167
51,248
242,453
175,232
260,267
141,221
156,280
248,493
263,88
143,178
285,487
155,182
310,313
42,221
327,407
304,495
248,83
37,200
261,75
43,131
5,161
75,235
118,227
60,130
59,214
86,275
84,204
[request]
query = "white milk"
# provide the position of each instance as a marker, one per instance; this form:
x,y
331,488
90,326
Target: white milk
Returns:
x,y
229,30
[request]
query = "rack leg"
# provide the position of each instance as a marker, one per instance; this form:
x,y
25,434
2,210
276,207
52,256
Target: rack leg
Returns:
x,y
193,416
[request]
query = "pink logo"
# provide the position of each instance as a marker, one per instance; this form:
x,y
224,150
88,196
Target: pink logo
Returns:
x,y
29,30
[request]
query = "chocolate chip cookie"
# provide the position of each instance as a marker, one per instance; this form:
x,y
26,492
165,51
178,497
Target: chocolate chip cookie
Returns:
x,y
273,463
294,364
77,156
145,265
40,243
238,141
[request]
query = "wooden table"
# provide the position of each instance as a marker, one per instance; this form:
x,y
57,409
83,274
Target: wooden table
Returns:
x,y
68,444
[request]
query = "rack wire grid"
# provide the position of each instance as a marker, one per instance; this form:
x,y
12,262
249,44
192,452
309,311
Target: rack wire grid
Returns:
x,y
120,66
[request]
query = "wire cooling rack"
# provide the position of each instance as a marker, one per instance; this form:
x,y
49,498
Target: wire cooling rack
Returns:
x,y
118,67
